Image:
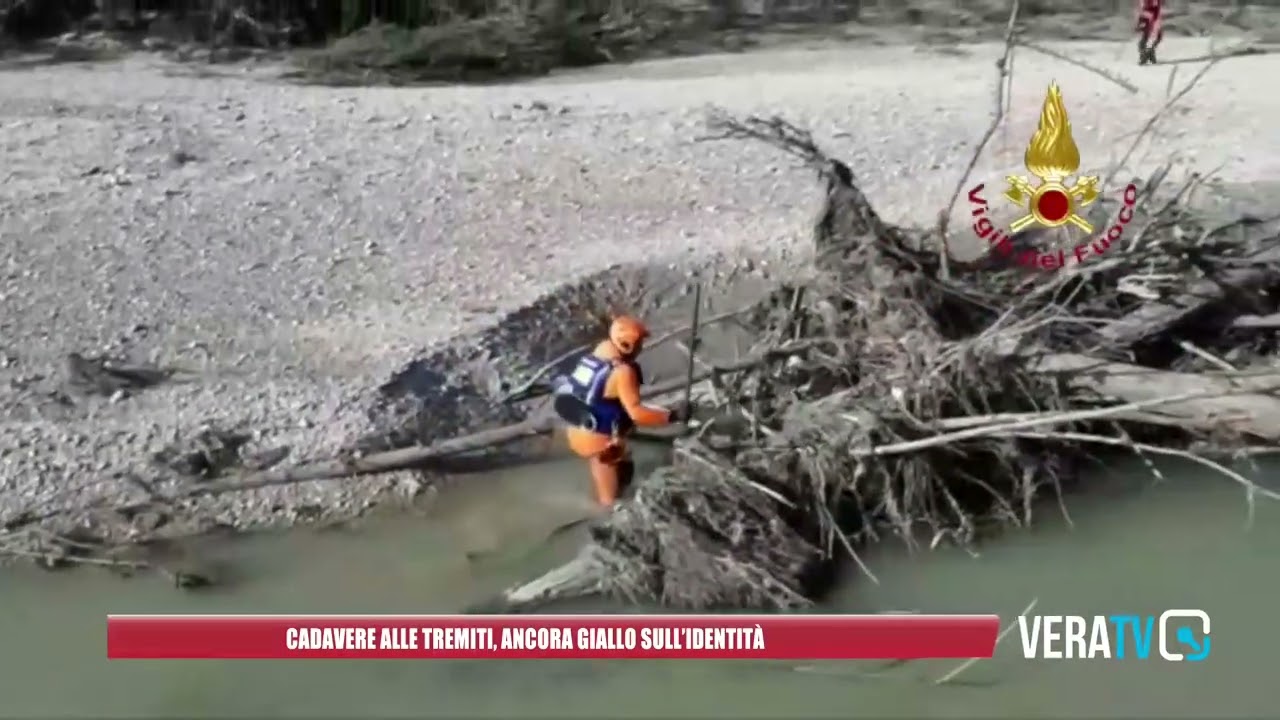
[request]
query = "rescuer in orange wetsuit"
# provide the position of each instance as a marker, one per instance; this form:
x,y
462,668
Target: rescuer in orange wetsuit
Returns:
x,y
600,400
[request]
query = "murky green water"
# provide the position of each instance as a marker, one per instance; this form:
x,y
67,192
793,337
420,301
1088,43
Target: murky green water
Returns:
x,y
1136,546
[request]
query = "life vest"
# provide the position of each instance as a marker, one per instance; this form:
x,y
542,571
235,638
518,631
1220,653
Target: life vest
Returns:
x,y
580,400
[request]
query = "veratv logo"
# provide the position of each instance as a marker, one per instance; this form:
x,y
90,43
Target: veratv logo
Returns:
x,y
1051,157
1078,637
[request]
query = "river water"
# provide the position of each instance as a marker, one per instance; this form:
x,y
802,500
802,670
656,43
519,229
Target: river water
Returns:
x,y
1136,545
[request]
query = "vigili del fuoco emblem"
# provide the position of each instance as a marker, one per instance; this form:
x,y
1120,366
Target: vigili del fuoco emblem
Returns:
x,y
1052,157
1051,200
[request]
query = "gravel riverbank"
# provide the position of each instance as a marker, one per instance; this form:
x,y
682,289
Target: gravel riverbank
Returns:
x,y
294,247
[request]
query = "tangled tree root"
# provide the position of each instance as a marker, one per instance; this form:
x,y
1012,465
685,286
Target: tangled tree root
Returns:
x,y
885,399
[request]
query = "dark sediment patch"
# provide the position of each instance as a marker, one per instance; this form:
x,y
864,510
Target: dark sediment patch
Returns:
x,y
466,386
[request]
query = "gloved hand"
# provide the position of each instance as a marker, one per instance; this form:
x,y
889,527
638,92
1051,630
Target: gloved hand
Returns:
x,y
680,413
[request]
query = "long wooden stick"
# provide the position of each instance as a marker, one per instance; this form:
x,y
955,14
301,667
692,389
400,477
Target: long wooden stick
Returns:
x,y
955,672
693,344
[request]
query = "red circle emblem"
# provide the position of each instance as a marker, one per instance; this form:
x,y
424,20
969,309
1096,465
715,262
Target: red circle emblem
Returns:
x,y
1054,205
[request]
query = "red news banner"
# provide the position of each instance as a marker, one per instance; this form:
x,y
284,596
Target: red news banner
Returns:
x,y
473,637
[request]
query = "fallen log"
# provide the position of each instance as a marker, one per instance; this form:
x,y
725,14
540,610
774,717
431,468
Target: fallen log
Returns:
x,y
1242,403
1258,322
390,461
1164,316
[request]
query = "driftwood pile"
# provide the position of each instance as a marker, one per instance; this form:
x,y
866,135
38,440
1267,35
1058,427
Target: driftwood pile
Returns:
x,y
894,396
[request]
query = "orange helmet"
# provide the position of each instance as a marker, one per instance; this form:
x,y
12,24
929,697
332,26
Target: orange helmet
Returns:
x,y
626,333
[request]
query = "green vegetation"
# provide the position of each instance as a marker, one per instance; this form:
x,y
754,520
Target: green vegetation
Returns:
x,y
421,41
400,41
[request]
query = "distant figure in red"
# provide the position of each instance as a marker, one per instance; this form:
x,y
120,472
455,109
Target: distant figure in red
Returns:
x,y
1150,32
